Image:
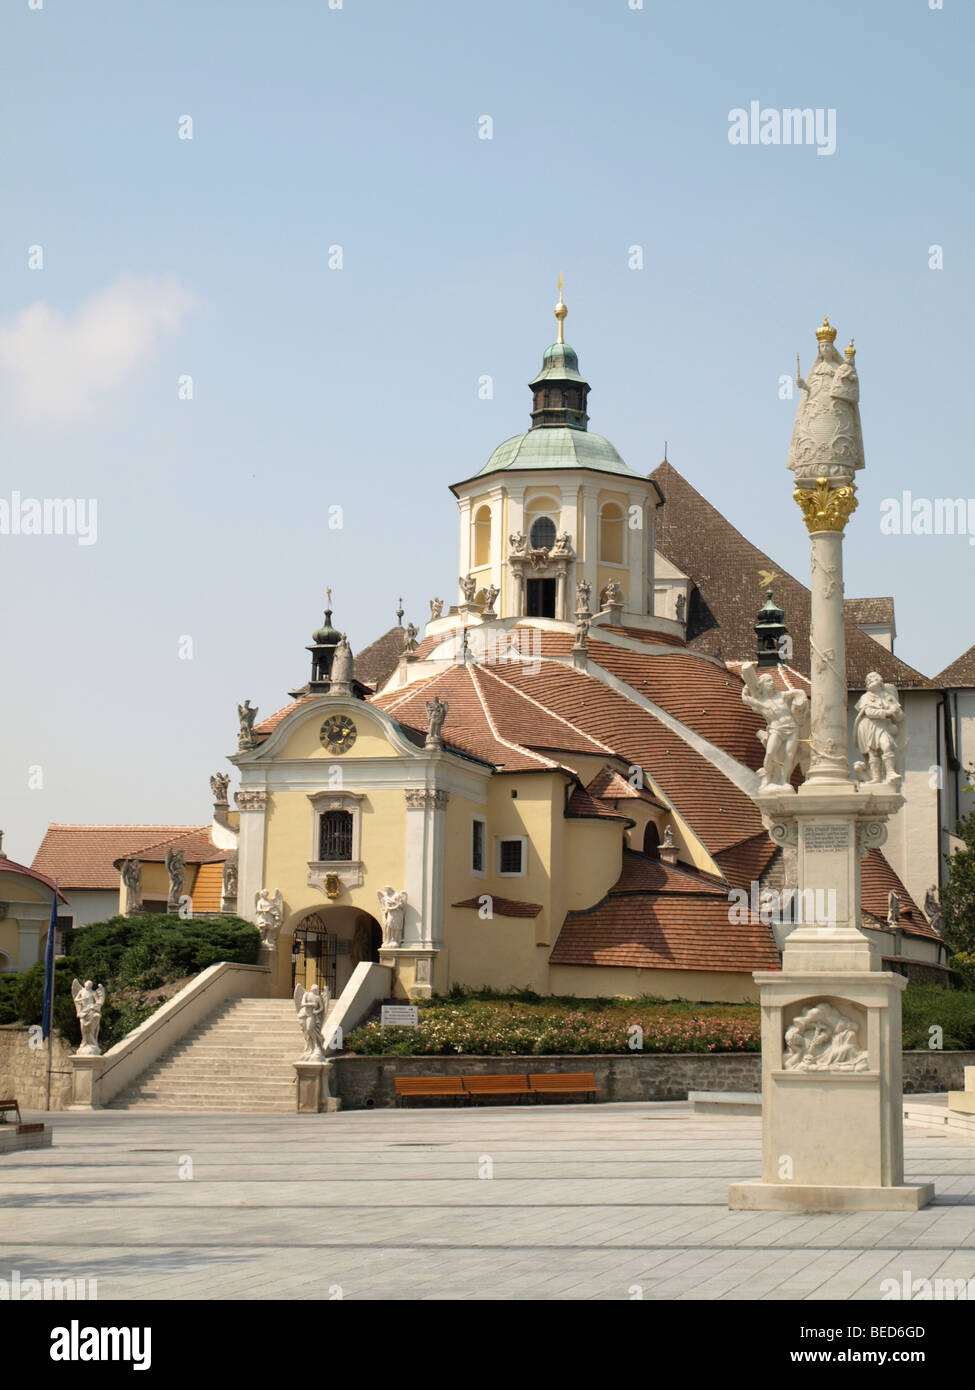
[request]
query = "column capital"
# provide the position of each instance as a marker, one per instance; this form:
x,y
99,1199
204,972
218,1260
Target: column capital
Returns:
x,y
251,801
826,508
425,799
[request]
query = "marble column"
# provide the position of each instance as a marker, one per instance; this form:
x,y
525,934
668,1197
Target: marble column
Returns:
x,y
252,805
832,1120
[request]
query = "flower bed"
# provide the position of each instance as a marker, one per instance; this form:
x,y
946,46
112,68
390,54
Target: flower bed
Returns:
x,y
501,1027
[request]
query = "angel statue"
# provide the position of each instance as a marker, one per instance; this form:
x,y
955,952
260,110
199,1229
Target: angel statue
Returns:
x,y
88,1003
879,733
219,783
268,915
393,908
312,1006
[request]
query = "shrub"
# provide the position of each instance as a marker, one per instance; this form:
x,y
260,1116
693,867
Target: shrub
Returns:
x,y
930,1006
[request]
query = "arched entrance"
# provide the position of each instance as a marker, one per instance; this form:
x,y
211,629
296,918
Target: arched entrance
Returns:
x,y
328,943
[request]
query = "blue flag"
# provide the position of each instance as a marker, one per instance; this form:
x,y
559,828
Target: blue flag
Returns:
x,y
48,1010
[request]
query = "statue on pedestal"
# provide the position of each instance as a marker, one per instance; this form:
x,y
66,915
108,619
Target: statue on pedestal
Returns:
x,y
562,549
88,1003
176,869
131,870
219,783
246,713
786,739
409,637
490,598
468,586
342,673
393,907
826,439
879,733
436,608
436,714
312,1006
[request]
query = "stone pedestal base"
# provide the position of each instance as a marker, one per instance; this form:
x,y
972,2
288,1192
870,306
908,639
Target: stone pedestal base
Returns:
x,y
832,1131
412,970
85,1075
313,1088
778,1196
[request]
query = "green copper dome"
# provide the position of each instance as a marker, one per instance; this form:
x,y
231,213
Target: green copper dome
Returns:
x,y
559,363
557,448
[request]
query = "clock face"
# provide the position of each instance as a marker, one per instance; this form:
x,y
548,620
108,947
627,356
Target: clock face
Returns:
x,y
338,733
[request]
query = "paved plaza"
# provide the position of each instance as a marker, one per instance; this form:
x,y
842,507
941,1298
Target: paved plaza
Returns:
x,y
513,1202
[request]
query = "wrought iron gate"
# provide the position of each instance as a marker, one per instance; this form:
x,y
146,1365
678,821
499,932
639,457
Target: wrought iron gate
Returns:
x,y
314,946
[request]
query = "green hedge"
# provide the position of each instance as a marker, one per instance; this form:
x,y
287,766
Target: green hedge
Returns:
x,y
129,956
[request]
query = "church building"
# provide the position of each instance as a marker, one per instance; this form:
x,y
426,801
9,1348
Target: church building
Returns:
x,y
553,785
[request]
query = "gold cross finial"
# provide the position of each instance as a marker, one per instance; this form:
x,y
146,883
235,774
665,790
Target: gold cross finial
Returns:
x,y
560,309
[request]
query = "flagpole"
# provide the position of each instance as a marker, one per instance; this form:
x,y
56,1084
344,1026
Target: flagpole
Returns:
x,y
49,991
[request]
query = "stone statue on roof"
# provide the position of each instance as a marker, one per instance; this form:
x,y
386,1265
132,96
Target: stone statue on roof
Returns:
x,y
468,585
176,869
342,672
436,714
410,634
246,713
219,784
436,608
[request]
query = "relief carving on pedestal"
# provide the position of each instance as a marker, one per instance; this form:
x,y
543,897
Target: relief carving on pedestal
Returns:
x,y
823,1038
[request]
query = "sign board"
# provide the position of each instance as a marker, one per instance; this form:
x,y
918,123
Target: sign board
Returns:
x,y
400,1016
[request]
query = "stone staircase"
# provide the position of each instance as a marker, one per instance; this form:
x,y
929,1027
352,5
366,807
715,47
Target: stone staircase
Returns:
x,y
239,1058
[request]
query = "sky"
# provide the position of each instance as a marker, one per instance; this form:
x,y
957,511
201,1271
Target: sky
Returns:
x,y
256,259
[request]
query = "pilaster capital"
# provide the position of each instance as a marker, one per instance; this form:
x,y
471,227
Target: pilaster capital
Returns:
x,y
251,800
425,799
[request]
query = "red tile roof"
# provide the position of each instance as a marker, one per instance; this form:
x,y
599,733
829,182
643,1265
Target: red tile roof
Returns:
x,y
83,856
610,785
683,924
504,907
196,845
726,570
877,881
583,806
959,673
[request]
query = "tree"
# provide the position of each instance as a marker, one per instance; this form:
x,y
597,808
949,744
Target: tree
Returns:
x,y
958,894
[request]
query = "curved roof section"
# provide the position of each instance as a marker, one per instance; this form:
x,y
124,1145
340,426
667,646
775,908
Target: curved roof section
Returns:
x,y
559,447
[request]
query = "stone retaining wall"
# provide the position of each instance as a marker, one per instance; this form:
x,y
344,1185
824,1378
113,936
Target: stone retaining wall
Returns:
x,y
23,1070
363,1082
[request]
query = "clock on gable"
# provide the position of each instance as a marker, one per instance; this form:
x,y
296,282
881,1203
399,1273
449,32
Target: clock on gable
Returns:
x,y
338,733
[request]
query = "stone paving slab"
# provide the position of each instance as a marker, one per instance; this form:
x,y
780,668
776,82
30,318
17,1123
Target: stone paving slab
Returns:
x,y
582,1202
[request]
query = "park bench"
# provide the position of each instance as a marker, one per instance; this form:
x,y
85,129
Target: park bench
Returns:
x,y
514,1085
407,1086
7,1105
547,1083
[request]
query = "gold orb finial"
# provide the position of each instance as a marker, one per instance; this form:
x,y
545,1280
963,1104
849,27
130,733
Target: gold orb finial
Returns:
x,y
560,309
851,352
825,334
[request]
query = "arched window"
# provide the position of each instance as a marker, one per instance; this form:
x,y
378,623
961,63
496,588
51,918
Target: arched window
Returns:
x,y
542,534
482,537
335,835
651,840
611,534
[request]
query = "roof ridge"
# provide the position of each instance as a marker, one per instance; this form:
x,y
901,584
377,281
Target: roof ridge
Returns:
x,y
407,692
515,747
168,839
553,715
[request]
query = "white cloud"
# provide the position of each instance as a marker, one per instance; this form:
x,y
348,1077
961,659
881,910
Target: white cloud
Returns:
x,y
55,366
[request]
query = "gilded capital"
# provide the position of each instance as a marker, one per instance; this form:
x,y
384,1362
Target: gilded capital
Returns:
x,y
825,508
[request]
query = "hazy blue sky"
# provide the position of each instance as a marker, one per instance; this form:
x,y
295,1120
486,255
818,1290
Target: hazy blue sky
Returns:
x,y
314,387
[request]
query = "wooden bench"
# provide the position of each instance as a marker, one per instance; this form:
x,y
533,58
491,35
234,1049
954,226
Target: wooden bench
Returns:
x,y
407,1086
8,1105
549,1083
514,1085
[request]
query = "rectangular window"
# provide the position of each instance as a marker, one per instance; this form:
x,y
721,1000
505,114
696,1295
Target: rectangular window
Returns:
x,y
477,846
335,838
511,856
540,598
